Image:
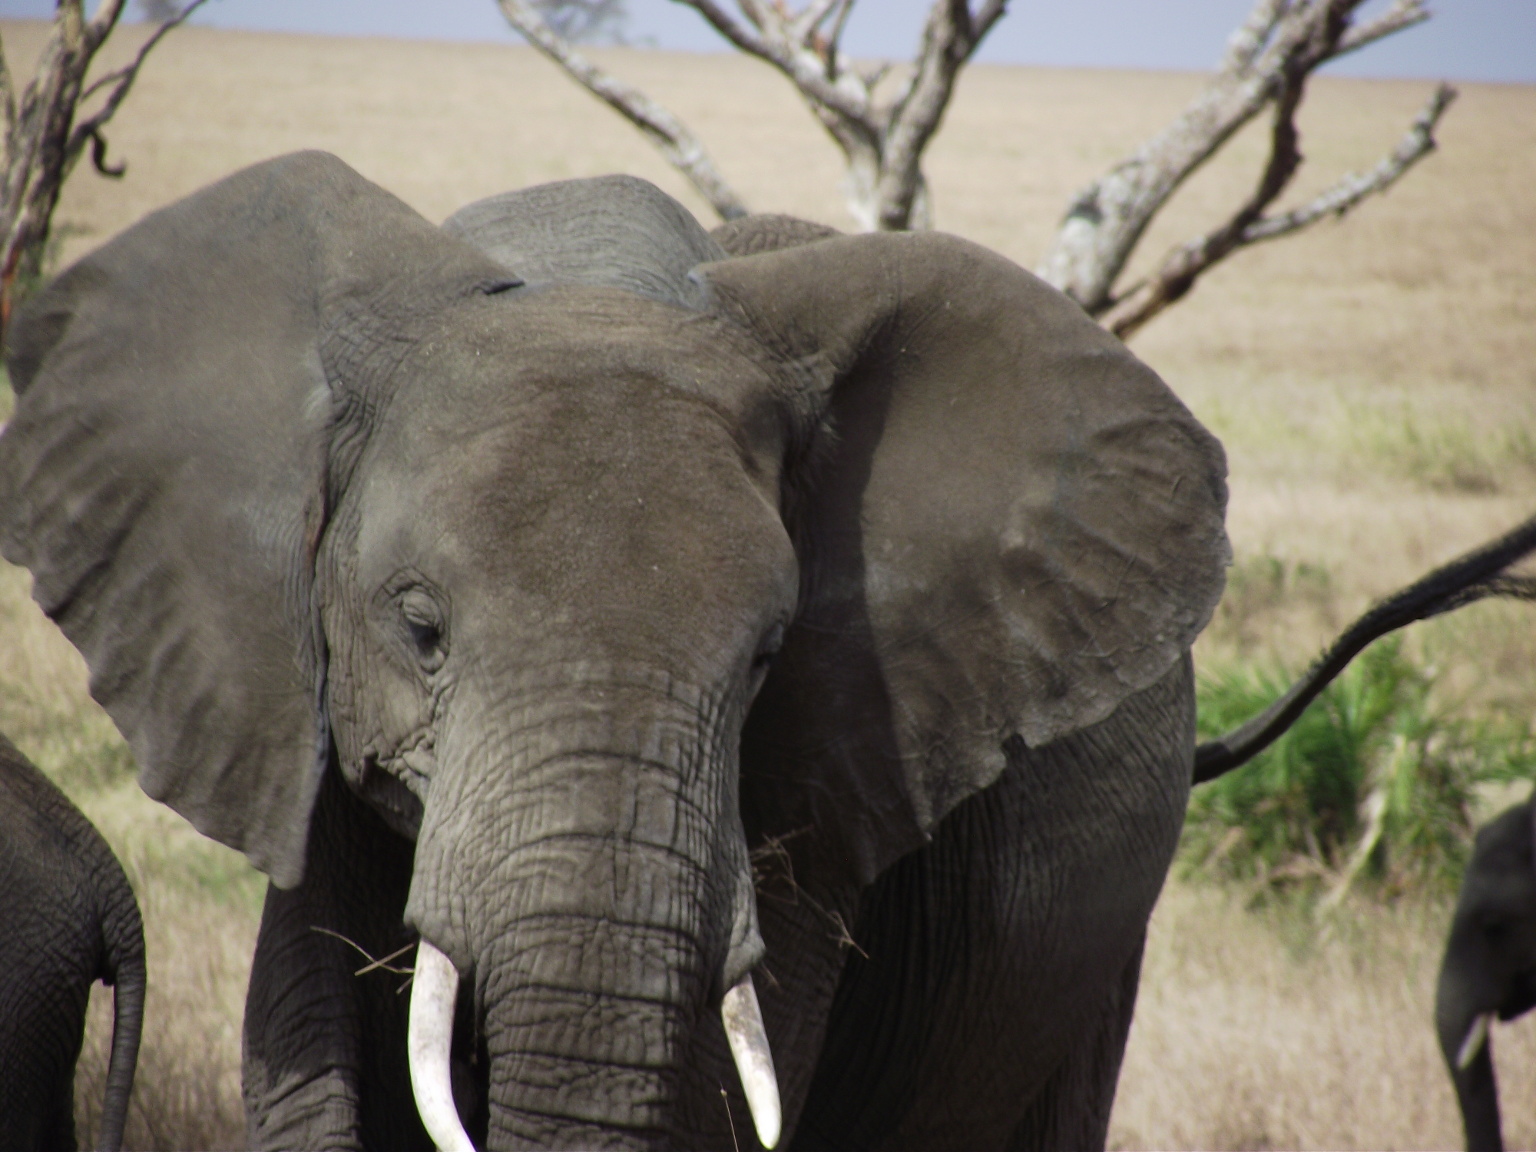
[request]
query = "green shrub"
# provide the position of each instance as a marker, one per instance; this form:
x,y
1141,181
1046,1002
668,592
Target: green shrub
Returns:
x,y
1373,784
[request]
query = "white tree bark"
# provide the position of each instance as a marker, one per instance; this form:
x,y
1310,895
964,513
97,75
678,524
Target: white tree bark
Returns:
x,y
681,147
1267,63
43,138
882,142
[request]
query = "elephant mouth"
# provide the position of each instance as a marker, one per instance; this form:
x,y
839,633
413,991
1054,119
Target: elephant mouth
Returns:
x,y
434,991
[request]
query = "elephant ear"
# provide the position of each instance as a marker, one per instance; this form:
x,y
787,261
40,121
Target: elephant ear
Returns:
x,y
609,231
1007,525
165,474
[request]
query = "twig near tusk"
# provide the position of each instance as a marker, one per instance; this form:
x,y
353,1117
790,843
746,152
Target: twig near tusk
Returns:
x,y
1477,1036
434,988
743,1020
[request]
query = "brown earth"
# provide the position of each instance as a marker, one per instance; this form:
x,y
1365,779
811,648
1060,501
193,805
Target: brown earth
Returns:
x,y
1374,381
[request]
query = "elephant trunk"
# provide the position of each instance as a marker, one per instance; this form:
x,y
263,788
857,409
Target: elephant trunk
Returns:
x,y
602,900
1462,1023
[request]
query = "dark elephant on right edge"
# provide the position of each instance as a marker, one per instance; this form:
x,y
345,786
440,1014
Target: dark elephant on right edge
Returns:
x,y
1489,970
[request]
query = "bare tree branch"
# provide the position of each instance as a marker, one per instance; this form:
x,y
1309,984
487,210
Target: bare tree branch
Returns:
x,y
768,38
681,148
816,14
1252,34
882,145
1267,64
1249,226
101,24
1339,199
1402,14
120,81
948,40
1473,576
43,141
1179,270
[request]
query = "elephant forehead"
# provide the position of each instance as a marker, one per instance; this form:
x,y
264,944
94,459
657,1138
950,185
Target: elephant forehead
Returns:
x,y
580,486
577,392
503,350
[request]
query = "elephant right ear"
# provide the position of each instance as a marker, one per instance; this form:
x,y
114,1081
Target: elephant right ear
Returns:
x,y
1007,526
165,475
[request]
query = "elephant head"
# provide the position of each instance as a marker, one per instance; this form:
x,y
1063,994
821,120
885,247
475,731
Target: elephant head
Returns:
x,y
544,527
1489,970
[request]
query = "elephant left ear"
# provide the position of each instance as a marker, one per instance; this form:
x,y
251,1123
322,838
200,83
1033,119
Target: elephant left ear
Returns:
x,y
1007,525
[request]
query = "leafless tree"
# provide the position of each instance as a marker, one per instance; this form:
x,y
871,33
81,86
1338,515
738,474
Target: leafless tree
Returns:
x,y
46,132
1268,61
679,145
882,139
883,118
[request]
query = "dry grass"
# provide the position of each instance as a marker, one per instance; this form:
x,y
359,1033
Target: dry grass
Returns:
x,y
1252,1031
1373,381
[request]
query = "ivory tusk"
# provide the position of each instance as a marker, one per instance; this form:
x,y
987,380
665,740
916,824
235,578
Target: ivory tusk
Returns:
x,y
1477,1036
743,1021
434,988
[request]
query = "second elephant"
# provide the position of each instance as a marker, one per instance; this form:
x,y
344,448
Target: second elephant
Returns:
x,y
67,919
1489,970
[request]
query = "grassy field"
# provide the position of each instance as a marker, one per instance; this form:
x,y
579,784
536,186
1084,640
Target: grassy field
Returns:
x,y
1374,382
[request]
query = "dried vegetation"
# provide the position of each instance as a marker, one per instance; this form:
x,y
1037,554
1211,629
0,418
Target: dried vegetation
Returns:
x,y
1374,381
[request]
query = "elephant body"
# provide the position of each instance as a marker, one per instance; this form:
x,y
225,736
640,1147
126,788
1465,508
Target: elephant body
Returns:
x,y
67,919
636,616
1489,969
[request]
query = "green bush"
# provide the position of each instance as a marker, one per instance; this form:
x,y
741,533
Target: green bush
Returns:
x,y
1373,785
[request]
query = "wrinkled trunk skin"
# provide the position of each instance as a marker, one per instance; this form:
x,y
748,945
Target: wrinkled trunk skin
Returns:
x,y
1456,1007
585,863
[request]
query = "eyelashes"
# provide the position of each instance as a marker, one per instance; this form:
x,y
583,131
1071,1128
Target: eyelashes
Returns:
x,y
425,627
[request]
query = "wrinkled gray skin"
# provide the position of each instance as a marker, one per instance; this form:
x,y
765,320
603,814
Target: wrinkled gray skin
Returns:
x,y
623,615
67,919
1490,962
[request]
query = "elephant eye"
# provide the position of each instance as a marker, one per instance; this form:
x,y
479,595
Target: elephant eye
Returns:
x,y
424,624
768,648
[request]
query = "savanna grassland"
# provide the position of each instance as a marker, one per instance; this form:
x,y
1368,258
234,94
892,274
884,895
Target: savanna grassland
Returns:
x,y
1374,382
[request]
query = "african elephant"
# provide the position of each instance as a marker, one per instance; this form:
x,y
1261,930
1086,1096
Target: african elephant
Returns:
x,y
67,919
1489,968
625,617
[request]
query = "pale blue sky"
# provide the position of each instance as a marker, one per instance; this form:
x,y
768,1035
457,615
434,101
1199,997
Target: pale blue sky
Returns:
x,y
1492,40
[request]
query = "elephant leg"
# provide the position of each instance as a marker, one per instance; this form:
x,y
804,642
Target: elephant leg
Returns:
x,y
324,1059
1072,1112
